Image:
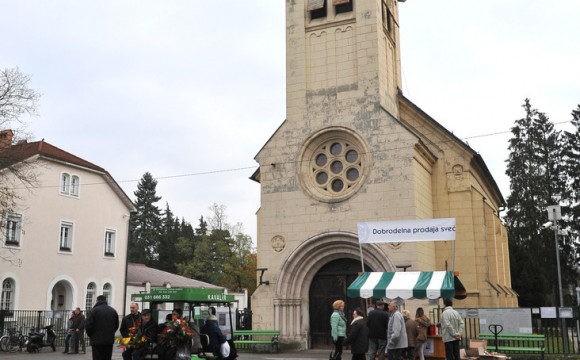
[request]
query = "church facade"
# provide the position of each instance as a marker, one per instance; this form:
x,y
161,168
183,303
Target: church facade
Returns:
x,y
354,148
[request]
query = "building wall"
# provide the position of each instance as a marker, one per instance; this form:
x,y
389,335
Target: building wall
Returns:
x,y
43,265
343,75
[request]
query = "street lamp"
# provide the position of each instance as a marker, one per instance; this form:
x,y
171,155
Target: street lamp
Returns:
x,y
554,215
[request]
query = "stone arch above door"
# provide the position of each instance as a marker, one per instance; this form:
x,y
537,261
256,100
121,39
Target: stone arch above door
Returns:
x,y
291,310
308,257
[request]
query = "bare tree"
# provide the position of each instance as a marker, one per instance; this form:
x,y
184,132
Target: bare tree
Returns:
x,y
18,103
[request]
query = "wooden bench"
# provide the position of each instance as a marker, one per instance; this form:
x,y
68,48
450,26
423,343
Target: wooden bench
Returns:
x,y
515,343
244,339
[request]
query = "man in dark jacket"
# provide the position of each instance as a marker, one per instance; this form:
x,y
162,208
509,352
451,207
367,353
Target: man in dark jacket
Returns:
x,y
378,323
149,329
101,325
358,336
129,321
78,328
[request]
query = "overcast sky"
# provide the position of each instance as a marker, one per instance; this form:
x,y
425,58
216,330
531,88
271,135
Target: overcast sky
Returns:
x,y
191,90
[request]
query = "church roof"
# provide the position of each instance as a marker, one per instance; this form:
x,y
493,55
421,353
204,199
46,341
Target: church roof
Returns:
x,y
137,274
477,159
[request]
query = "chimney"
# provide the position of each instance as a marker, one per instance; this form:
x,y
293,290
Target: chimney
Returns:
x,y
5,139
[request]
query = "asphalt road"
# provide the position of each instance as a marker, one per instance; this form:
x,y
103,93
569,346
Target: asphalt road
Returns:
x,y
47,353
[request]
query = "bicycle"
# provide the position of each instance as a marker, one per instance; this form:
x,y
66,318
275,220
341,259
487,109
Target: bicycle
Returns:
x,y
13,341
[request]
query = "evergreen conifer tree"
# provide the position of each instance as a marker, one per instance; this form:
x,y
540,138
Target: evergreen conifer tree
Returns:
x,y
571,152
536,181
167,244
145,224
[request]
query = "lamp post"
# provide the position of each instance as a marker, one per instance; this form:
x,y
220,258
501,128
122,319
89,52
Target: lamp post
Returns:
x,y
554,215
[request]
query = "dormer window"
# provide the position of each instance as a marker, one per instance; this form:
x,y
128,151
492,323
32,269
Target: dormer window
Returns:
x,y
69,184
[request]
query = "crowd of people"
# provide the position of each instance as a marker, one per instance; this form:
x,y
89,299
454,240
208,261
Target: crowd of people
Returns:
x,y
392,334
102,323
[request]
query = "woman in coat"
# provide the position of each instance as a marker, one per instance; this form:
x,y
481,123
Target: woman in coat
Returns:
x,y
358,337
411,328
423,322
338,328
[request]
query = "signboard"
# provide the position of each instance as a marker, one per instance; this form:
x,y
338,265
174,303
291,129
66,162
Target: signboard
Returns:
x,y
406,230
184,295
548,312
566,313
513,320
429,347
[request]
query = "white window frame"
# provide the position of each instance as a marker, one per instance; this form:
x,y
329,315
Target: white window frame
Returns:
x,y
108,293
70,184
69,225
13,235
110,243
7,298
75,183
90,296
64,183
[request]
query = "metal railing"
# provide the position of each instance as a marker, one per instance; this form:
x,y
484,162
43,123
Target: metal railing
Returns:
x,y
35,320
550,328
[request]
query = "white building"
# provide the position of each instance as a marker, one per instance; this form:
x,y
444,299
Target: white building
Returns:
x,y
66,241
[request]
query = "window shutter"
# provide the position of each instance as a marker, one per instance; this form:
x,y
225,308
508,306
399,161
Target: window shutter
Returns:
x,y
315,4
338,2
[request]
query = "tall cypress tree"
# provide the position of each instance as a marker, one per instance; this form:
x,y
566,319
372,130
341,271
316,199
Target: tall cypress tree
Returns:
x,y
145,224
536,181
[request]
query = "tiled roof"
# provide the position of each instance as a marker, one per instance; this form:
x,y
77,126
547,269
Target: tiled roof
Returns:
x,y
138,274
22,151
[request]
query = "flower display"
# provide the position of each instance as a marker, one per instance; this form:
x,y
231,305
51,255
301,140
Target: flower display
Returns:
x,y
136,339
177,330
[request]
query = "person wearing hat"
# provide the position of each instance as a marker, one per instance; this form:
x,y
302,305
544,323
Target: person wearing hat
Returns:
x,y
216,337
149,329
378,323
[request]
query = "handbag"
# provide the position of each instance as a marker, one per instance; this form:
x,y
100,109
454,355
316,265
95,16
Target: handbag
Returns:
x,y
225,349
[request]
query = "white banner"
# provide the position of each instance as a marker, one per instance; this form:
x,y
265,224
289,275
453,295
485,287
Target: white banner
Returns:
x,y
406,230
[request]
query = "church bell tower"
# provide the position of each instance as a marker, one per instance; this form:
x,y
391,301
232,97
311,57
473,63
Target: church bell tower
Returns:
x,y
341,54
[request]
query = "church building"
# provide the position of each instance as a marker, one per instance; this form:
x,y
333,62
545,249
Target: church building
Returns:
x,y
354,149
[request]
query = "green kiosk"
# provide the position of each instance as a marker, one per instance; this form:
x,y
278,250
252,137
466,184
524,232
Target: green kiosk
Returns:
x,y
195,297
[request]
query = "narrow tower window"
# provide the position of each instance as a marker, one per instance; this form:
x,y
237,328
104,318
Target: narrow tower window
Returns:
x,y
342,6
317,9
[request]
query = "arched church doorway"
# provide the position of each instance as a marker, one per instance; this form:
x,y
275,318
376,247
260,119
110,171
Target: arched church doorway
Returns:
x,y
328,285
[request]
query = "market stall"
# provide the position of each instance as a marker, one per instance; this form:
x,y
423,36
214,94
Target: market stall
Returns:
x,y
410,285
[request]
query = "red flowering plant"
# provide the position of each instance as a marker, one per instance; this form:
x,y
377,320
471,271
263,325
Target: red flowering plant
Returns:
x,y
136,338
177,330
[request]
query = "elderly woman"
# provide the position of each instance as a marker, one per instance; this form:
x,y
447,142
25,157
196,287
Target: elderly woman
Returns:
x,y
411,328
338,328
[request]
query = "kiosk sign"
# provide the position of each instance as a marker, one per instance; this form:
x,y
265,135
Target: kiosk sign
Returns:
x,y
185,295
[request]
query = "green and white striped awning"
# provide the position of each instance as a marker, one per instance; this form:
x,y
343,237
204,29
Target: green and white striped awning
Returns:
x,y
405,285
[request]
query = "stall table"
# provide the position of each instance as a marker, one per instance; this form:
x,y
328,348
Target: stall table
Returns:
x,y
434,347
